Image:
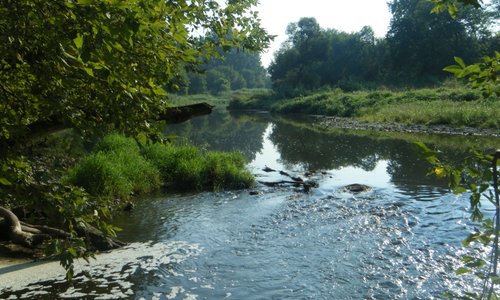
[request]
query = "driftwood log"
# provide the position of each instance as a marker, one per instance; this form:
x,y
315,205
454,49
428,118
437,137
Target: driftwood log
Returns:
x,y
180,114
295,181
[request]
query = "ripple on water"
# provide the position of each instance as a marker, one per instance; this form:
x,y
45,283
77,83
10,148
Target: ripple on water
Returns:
x,y
113,275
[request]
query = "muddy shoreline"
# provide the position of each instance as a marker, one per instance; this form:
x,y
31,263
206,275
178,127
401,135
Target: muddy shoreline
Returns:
x,y
350,123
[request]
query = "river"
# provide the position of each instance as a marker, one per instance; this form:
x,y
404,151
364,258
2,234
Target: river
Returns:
x,y
399,240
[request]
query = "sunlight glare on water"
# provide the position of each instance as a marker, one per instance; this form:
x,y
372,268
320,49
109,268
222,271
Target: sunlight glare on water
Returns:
x,y
401,239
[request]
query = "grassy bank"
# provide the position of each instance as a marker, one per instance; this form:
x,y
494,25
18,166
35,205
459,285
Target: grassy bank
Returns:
x,y
446,106
119,167
223,99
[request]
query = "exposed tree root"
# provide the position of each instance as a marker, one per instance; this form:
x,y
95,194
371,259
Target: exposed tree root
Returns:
x,y
30,236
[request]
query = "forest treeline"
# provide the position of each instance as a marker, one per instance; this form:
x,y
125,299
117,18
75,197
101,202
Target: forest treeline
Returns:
x,y
234,70
418,45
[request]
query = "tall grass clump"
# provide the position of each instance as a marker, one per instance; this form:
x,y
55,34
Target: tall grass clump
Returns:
x,y
119,166
187,168
115,168
226,170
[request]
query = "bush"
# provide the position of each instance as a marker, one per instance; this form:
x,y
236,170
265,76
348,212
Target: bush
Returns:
x,y
116,143
100,177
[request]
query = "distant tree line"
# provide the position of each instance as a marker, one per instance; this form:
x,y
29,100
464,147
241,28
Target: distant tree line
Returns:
x,y
234,70
417,47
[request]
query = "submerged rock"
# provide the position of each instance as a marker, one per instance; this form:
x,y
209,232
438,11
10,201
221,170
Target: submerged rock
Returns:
x,y
356,188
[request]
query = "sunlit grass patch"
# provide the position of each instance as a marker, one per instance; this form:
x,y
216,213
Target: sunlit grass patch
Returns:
x,y
223,170
119,167
115,172
188,168
454,106
480,114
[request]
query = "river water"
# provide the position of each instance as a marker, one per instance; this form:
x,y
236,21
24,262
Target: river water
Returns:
x,y
399,240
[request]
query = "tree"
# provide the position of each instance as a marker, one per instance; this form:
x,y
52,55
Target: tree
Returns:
x,y
96,65
242,69
421,44
92,63
313,58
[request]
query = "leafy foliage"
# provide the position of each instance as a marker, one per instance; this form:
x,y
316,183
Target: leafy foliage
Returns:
x,y
477,175
482,76
414,52
97,66
234,70
95,63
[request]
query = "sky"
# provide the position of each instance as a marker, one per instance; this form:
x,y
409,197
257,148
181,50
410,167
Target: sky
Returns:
x,y
343,15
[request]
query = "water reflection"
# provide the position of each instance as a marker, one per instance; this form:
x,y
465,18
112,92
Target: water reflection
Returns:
x,y
302,147
221,131
399,240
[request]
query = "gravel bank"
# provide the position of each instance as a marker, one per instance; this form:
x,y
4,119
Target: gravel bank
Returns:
x,y
350,123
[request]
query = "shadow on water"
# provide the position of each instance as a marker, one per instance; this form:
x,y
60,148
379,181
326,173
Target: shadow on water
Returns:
x,y
401,239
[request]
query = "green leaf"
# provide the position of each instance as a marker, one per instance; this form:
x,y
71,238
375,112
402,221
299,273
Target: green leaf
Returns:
x,y
118,47
459,190
452,10
455,69
462,270
438,8
78,41
4,181
85,2
89,71
476,263
160,92
459,61
72,251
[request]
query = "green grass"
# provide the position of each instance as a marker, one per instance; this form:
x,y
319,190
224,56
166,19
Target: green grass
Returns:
x,y
119,167
115,168
453,106
222,100
479,114
261,99
187,168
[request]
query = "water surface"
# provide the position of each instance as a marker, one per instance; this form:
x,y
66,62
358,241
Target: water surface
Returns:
x,y
399,240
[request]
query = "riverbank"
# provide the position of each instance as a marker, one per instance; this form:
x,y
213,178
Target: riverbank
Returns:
x,y
356,124
437,110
